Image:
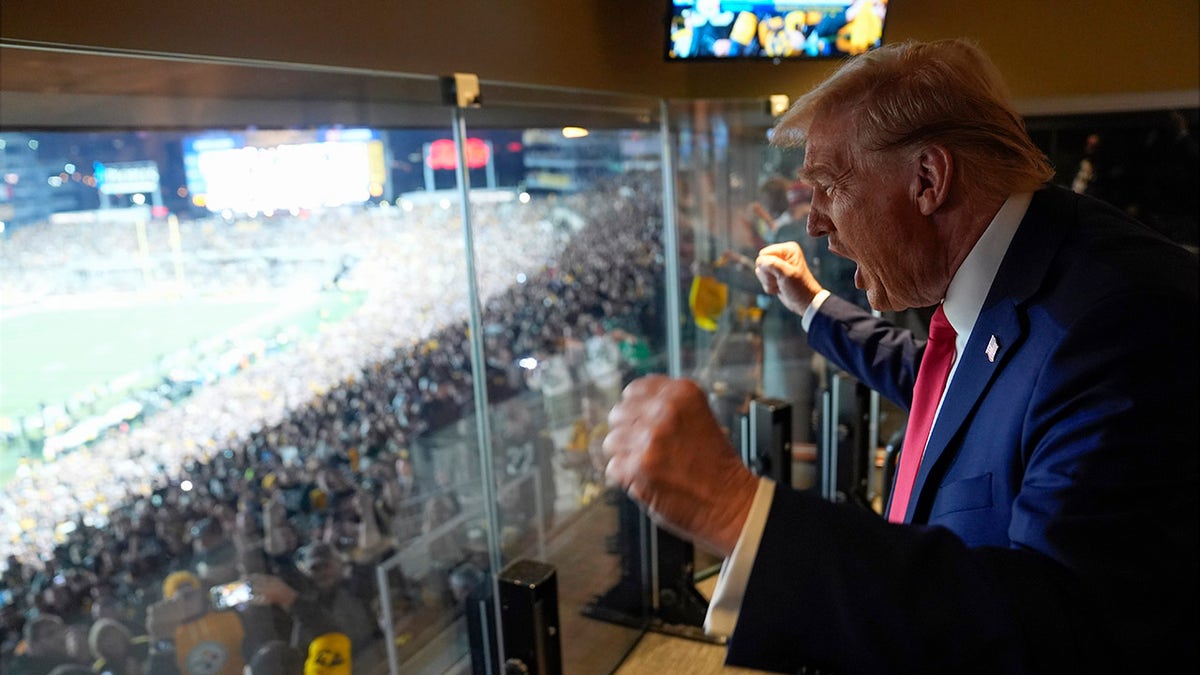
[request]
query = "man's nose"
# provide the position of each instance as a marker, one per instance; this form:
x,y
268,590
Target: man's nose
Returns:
x,y
818,224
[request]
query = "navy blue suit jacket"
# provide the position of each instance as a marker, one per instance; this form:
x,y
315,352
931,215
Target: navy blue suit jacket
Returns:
x,y
1056,508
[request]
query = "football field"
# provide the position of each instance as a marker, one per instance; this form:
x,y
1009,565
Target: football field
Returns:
x,y
47,357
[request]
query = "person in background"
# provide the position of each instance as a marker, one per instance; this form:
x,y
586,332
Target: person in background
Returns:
x,y
215,553
325,605
43,646
1045,517
111,645
204,641
76,641
276,657
786,360
329,654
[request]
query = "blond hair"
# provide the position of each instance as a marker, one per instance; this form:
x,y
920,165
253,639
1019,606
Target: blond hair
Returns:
x,y
911,94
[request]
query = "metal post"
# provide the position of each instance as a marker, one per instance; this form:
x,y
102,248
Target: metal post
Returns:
x,y
671,269
671,247
478,372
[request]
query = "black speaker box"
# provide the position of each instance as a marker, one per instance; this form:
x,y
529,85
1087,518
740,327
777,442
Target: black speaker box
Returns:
x,y
529,616
767,439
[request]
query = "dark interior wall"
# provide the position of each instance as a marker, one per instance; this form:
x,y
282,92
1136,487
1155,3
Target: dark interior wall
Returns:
x,y
1046,49
601,44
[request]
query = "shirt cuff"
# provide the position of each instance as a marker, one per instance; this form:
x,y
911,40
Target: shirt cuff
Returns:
x,y
727,597
813,306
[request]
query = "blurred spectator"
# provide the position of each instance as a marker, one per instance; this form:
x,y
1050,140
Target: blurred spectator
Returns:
x,y
204,641
786,362
215,558
43,648
329,654
467,581
111,645
291,437
76,641
276,657
325,605
583,449
1085,178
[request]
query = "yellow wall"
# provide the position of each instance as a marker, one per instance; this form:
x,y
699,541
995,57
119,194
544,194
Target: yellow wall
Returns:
x,y
1046,48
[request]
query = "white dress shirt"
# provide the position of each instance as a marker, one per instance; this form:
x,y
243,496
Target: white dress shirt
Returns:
x,y
964,300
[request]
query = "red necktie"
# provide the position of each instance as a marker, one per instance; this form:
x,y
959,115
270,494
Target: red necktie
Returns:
x,y
931,380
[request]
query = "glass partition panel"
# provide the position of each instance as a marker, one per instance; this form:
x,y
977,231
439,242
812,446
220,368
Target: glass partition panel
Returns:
x,y
234,349
736,194
570,271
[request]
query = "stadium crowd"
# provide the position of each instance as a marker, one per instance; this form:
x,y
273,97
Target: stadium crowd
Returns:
x,y
308,469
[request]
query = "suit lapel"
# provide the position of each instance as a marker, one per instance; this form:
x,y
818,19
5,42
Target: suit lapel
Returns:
x,y
975,372
1020,274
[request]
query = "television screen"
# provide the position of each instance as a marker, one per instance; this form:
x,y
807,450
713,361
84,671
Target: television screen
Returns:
x,y
762,29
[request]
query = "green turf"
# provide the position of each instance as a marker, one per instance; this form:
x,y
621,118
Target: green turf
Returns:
x,y
50,356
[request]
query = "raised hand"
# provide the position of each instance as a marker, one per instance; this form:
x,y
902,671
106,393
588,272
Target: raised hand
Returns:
x,y
782,271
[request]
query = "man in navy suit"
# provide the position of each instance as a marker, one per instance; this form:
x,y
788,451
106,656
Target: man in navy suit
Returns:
x,y
1053,520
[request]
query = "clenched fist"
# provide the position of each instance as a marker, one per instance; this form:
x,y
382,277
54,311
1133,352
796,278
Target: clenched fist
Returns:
x,y
666,450
782,271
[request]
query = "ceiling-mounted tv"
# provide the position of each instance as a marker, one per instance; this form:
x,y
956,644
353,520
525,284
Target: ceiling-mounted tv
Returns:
x,y
772,31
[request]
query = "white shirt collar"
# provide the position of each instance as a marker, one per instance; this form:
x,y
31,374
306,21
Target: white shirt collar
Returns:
x,y
971,283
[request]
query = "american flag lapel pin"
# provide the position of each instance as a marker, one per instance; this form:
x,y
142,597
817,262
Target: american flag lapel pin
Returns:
x,y
992,348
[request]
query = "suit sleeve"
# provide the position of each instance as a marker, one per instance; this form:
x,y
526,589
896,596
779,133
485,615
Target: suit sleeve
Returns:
x,y
833,589
877,352
1100,571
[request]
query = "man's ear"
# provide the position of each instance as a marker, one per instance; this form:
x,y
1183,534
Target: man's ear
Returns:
x,y
935,167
